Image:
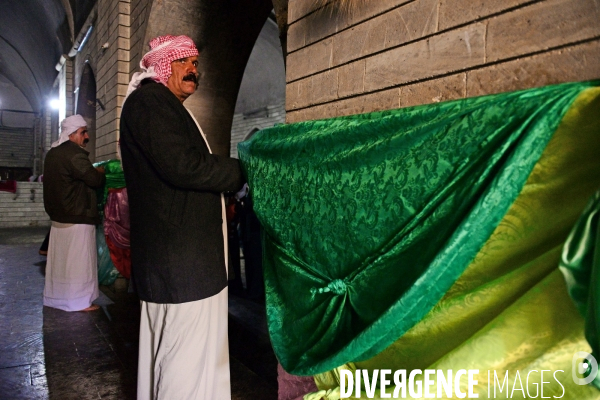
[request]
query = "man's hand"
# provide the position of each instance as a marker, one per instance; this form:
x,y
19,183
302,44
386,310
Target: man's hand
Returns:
x,y
100,169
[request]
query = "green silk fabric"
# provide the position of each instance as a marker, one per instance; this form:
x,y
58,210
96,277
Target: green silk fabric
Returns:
x,y
115,179
580,264
370,219
510,309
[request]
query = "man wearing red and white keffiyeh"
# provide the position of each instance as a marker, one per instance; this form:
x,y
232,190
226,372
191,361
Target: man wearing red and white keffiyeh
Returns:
x,y
156,64
178,229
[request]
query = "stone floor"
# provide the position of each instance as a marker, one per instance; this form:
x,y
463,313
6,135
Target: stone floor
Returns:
x,y
50,354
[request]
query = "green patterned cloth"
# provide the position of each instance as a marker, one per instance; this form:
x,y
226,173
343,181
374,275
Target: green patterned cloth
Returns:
x,y
115,179
370,219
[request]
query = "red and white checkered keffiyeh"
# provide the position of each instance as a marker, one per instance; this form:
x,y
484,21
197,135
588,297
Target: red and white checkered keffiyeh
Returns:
x,y
156,63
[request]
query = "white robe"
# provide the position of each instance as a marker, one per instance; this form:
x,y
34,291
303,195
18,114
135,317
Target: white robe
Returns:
x,y
72,267
184,350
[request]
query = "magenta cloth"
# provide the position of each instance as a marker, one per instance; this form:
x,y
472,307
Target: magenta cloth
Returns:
x,y
165,50
293,387
116,217
8,186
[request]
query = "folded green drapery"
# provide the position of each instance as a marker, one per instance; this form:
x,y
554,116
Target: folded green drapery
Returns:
x,y
580,264
370,219
509,311
115,179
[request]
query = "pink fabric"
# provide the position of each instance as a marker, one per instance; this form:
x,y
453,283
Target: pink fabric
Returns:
x,y
165,50
116,217
293,387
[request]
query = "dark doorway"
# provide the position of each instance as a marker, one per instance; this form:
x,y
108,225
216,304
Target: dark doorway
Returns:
x,y
86,106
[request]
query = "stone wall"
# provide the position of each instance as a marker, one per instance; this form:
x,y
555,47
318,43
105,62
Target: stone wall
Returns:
x,y
111,71
65,89
107,53
23,208
398,53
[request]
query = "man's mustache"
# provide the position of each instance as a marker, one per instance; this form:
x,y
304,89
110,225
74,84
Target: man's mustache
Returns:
x,y
191,77
85,141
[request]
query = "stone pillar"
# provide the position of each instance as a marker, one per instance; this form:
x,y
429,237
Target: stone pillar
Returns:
x,y
225,33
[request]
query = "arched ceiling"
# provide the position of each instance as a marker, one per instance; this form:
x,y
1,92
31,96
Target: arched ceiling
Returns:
x,y
33,35
263,83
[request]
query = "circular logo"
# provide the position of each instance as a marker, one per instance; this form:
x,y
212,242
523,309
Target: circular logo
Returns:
x,y
585,368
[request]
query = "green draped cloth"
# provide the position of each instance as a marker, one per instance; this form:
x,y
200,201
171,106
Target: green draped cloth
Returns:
x,y
115,179
580,264
372,220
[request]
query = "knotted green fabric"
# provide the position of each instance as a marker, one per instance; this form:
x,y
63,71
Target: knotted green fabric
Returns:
x,y
368,220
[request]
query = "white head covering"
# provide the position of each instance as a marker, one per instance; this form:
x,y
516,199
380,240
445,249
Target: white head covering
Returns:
x,y
68,126
138,77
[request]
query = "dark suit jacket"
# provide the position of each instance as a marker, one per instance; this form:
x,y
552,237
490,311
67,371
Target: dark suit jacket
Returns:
x,y
70,181
174,186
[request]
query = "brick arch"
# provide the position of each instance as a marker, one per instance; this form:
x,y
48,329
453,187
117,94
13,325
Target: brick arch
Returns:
x,y
225,32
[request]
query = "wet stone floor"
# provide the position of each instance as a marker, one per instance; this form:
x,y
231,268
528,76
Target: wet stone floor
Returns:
x,y
51,354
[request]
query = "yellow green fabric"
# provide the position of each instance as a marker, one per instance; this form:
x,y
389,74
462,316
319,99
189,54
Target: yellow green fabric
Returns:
x,y
369,220
510,309
540,331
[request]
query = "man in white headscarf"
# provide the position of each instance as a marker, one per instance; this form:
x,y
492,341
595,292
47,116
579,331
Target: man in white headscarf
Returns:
x,y
70,181
178,229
